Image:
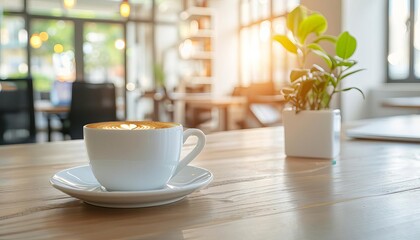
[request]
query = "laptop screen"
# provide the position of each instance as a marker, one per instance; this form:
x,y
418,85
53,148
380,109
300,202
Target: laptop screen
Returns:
x,y
396,128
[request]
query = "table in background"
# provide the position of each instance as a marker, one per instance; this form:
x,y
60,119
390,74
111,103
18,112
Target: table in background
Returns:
x,y
202,100
50,110
7,86
371,191
402,102
221,103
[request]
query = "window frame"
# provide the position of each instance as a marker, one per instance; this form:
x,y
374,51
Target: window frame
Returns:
x,y
411,75
251,23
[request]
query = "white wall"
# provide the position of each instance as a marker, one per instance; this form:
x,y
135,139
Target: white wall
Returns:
x,y
226,40
366,21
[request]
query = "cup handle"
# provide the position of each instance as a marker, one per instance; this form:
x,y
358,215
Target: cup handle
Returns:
x,y
196,150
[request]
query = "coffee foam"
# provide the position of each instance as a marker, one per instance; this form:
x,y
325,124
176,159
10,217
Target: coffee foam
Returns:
x,y
131,125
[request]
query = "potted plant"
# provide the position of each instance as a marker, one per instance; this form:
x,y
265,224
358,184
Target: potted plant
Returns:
x,y
312,128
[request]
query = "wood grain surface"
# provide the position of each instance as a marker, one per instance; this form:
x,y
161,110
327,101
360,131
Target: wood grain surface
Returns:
x,y
370,192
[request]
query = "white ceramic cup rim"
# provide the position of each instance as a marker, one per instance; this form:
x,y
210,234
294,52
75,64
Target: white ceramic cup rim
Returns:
x,y
175,125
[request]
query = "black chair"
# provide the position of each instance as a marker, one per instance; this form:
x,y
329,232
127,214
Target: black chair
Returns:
x,y
90,102
17,115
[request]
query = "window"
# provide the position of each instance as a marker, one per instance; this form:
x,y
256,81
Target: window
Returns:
x,y
403,53
262,59
14,6
89,42
13,39
81,9
52,52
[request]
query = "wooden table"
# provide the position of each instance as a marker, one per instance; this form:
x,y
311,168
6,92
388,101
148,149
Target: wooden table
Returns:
x,y
8,86
221,103
370,192
50,110
47,107
204,100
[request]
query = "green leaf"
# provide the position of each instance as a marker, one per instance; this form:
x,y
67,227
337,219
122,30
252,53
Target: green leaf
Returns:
x,y
317,50
305,88
333,80
315,46
320,86
348,63
350,73
298,73
351,88
286,43
317,68
329,38
346,45
325,100
287,91
333,61
294,18
315,23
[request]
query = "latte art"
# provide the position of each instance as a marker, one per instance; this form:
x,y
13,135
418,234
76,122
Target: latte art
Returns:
x,y
131,125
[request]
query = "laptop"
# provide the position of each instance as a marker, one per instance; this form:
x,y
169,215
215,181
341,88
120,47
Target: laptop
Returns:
x,y
396,128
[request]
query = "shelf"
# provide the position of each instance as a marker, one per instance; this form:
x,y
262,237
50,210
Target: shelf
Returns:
x,y
196,48
201,34
200,56
196,13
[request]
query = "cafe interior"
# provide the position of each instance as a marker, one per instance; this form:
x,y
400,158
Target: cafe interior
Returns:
x,y
215,74
209,64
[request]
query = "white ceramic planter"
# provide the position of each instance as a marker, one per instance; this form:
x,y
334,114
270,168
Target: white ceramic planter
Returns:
x,y
314,134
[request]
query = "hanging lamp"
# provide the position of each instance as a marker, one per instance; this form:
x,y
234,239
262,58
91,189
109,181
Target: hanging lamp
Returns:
x,y
125,8
69,4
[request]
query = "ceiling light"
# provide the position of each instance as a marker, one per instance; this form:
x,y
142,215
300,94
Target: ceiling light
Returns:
x,y
125,8
68,4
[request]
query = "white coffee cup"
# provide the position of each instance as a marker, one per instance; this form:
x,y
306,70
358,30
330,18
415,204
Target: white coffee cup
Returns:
x,y
138,155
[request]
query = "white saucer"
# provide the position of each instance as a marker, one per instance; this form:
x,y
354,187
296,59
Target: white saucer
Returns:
x,y
79,182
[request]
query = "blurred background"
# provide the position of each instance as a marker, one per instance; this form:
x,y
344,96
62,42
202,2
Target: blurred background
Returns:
x,y
198,62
